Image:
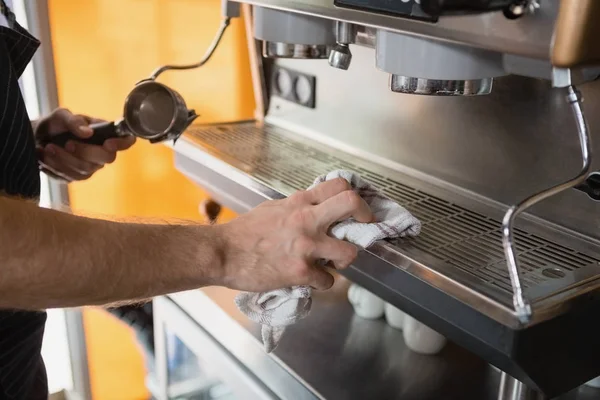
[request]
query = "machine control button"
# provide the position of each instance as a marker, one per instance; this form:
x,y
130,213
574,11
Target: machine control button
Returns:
x,y
303,89
294,86
283,81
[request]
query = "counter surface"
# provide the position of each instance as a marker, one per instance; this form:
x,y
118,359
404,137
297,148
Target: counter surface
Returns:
x,y
338,355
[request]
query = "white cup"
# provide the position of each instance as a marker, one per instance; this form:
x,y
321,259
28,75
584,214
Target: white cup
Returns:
x,y
420,338
365,303
394,316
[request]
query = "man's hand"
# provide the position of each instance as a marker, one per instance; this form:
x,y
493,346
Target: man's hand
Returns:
x,y
77,161
52,259
278,243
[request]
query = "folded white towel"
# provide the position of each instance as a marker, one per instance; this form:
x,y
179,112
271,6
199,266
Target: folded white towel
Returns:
x,y
276,309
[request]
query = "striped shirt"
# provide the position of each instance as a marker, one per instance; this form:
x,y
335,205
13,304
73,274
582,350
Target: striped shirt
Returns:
x,y
22,371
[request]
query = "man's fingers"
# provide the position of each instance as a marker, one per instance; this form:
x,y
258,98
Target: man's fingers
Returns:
x,y
326,190
343,206
319,279
93,154
55,166
339,252
81,167
119,144
77,124
51,166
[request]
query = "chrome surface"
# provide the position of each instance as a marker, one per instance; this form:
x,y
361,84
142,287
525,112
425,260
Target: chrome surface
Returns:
x,y
435,87
155,112
340,56
418,57
520,302
512,389
344,32
333,354
562,78
565,77
209,52
528,36
503,146
290,50
459,249
365,36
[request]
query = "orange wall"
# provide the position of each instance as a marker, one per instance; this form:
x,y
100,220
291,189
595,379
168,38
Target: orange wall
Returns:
x,y
101,48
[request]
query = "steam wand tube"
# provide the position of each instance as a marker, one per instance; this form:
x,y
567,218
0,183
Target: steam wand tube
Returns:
x,y
520,302
230,10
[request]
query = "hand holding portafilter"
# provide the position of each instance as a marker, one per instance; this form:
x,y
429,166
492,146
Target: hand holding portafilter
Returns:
x,y
152,111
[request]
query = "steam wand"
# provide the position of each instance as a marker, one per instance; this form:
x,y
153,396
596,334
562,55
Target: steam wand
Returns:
x,y
230,10
520,302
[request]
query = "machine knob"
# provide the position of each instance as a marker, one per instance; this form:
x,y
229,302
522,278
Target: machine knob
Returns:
x,y
340,56
210,210
591,186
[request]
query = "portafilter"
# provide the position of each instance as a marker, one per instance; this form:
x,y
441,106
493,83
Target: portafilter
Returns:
x,y
152,111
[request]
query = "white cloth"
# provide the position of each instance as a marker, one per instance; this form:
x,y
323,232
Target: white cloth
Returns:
x,y
276,309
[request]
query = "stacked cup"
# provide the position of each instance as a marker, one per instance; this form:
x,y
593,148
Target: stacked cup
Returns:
x,y
417,336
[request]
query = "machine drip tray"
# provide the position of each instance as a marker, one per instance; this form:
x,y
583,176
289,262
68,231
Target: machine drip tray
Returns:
x,y
453,276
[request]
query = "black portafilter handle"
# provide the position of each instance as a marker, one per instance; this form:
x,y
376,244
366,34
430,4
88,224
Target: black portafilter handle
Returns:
x,y
102,132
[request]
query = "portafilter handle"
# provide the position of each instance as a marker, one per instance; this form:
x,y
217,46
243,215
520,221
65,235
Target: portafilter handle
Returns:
x,y
102,132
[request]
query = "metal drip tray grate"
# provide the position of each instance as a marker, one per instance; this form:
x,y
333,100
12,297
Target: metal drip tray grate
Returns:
x,y
464,239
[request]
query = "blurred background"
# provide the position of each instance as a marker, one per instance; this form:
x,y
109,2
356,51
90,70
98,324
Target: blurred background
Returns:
x,y
101,48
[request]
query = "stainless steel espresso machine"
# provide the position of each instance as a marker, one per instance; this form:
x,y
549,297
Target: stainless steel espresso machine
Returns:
x,y
467,112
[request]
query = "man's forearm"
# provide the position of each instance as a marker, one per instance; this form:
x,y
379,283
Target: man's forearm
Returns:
x,y
52,259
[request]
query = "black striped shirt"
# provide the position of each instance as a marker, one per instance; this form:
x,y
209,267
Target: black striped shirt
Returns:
x,y
22,372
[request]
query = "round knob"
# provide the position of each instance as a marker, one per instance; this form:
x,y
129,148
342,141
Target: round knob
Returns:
x,y
340,57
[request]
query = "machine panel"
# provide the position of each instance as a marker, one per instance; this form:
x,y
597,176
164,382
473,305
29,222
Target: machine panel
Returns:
x,y
408,9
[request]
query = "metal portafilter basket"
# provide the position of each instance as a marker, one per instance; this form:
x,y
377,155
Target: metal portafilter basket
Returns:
x,y
152,110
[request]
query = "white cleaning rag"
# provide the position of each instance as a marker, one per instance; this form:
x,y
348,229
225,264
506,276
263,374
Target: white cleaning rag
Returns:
x,y
276,309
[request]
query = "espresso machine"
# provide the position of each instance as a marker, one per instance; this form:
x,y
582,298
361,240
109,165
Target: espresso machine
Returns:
x,y
470,114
